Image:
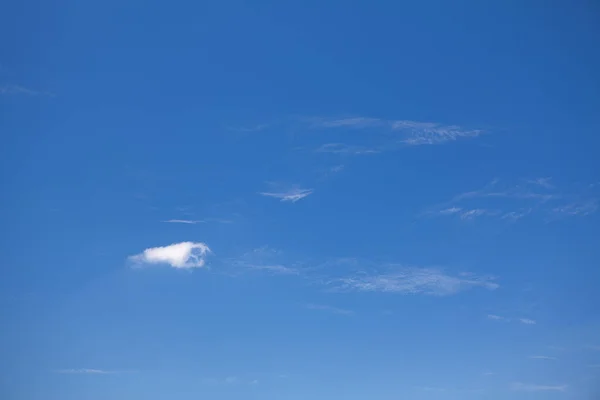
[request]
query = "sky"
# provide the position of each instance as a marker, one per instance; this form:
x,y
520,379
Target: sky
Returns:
x,y
299,200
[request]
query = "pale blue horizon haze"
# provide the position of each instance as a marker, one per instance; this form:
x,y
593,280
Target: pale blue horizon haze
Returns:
x,y
300,200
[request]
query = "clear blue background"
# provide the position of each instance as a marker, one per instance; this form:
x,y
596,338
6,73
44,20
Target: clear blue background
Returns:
x,y
143,111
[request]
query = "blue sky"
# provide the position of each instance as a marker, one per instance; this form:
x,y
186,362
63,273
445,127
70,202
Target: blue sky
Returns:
x,y
292,200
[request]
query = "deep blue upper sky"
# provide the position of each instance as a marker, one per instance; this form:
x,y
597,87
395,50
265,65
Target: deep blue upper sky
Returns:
x,y
299,200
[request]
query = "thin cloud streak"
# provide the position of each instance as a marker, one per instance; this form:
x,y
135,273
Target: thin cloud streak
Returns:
x,y
495,317
525,387
291,195
527,321
542,358
413,280
85,371
330,309
16,90
341,148
183,221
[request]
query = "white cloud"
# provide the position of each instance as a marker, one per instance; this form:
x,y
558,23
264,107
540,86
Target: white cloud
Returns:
x,y
276,269
497,318
184,221
524,387
413,132
291,195
264,259
516,215
334,310
412,280
450,211
471,214
340,148
16,89
355,122
84,371
421,133
527,321
543,182
230,380
178,255
542,358
580,208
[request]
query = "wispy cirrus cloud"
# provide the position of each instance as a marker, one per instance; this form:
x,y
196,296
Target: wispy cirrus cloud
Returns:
x,y
21,90
352,122
230,380
528,387
423,133
577,208
393,134
341,148
290,194
86,371
495,317
413,280
512,202
411,133
542,358
527,321
184,255
184,221
329,309
263,259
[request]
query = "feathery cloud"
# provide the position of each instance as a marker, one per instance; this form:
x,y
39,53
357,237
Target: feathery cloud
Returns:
x,y
578,208
264,259
422,133
16,90
412,133
230,380
291,195
471,214
341,148
525,387
527,321
178,255
515,201
355,122
276,269
184,221
330,309
495,317
84,371
413,280
542,358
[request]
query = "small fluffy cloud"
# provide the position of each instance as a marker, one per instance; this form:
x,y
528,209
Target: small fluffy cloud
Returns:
x,y
412,280
525,387
291,195
178,255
